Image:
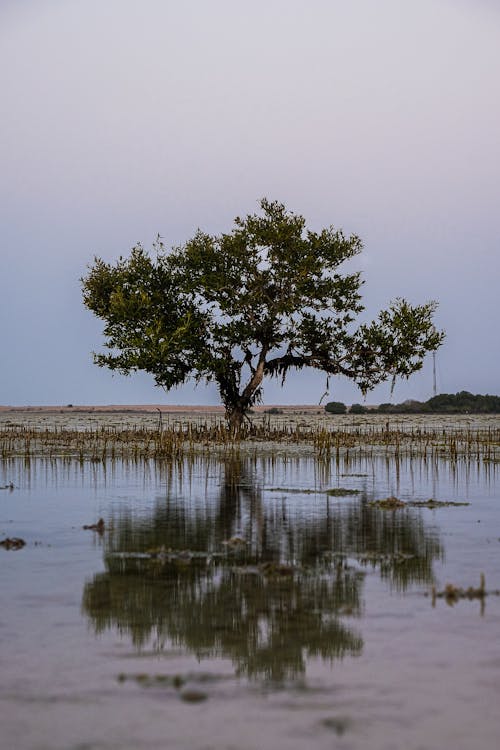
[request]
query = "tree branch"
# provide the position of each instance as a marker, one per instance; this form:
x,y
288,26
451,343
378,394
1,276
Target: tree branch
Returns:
x,y
257,375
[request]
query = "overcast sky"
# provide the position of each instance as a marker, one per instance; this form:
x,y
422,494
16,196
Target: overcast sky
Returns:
x,y
121,119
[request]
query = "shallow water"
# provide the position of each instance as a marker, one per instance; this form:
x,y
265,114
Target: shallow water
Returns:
x,y
237,604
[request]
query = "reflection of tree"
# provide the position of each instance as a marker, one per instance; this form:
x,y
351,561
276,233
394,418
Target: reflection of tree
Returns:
x,y
397,542
266,605
266,624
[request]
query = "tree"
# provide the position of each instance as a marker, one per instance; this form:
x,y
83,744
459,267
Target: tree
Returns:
x,y
358,409
335,407
259,301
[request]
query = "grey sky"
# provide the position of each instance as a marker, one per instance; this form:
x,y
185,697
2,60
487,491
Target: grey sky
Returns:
x,y
121,119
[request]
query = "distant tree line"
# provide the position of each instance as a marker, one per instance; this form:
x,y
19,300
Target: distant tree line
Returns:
x,y
445,403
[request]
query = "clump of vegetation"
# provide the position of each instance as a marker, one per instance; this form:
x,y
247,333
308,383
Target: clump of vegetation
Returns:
x,y
99,526
294,490
335,407
464,402
452,594
358,409
431,503
389,503
353,474
335,491
13,542
410,406
342,491
446,403
392,503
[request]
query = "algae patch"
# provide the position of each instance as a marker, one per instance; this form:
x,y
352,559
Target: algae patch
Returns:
x,y
392,503
388,503
341,492
334,491
431,503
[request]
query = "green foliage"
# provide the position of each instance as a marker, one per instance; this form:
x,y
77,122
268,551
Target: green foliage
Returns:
x,y
358,409
385,408
446,403
260,301
407,407
335,407
464,402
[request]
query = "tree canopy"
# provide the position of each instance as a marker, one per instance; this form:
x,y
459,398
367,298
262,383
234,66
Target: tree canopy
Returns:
x,y
257,302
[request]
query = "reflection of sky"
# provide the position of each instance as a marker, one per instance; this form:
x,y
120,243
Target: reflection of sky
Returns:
x,y
121,120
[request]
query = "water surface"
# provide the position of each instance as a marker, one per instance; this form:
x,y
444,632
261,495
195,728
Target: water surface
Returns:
x,y
242,603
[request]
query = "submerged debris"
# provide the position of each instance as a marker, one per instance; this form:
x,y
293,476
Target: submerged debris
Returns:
x,y
276,569
354,475
193,695
294,490
235,542
339,724
451,593
99,526
389,503
190,687
342,491
431,503
335,491
13,542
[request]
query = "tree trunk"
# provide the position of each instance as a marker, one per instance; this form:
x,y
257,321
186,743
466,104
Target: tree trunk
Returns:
x,y
237,409
235,415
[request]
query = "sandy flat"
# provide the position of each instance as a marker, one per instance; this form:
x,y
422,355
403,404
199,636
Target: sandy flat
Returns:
x,y
151,408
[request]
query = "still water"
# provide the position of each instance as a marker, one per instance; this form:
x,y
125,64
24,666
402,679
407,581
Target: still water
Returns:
x,y
248,603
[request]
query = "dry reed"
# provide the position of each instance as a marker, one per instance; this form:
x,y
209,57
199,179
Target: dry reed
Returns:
x,y
181,438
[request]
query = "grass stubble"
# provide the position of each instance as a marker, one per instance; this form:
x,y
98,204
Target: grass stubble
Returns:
x,y
142,439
